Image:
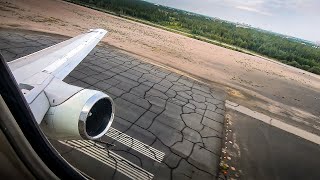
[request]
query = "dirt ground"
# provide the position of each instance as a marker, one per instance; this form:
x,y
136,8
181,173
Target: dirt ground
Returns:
x,y
285,92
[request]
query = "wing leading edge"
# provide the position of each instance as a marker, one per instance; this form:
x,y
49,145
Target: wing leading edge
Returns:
x,y
35,72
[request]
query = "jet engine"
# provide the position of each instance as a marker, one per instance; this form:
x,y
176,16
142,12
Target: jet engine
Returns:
x,y
87,114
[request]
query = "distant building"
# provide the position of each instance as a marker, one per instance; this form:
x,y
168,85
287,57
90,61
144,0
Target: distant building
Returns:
x,y
242,26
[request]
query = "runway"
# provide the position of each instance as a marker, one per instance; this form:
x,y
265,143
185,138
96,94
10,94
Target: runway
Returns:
x,y
167,126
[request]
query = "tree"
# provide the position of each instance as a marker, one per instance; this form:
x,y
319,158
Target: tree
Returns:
x,y
289,51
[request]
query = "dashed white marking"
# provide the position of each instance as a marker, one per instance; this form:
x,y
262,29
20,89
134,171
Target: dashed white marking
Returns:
x,y
274,122
109,158
136,145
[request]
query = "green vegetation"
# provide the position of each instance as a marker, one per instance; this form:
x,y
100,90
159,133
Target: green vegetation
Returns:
x,y
289,51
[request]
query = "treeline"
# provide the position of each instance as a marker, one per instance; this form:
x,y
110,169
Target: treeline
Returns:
x,y
288,51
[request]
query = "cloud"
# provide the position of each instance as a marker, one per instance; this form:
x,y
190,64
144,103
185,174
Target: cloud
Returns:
x,y
254,10
271,7
296,6
253,6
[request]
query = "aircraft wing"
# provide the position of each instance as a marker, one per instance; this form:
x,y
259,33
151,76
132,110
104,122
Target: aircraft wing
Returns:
x,y
40,73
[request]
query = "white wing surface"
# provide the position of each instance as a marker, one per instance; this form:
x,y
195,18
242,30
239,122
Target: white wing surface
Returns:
x,y
43,70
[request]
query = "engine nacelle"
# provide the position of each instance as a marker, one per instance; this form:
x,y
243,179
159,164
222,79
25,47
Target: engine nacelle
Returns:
x,y
88,114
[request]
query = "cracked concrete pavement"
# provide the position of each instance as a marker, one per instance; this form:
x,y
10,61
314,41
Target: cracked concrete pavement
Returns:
x,y
167,126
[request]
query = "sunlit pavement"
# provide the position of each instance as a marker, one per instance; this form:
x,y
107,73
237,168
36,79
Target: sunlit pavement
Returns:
x,y
167,126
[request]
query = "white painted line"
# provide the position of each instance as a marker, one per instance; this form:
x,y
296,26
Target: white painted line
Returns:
x,y
109,158
274,122
122,165
136,145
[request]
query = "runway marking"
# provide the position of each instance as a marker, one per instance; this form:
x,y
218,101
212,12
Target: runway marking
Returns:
x,y
136,145
109,158
274,122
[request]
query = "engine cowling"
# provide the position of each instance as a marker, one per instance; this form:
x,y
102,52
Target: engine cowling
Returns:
x,y
88,114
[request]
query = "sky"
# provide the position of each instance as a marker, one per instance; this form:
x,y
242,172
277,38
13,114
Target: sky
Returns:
x,y
298,18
